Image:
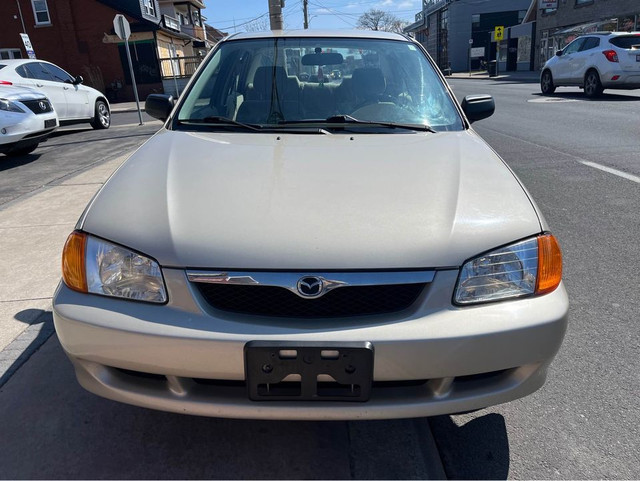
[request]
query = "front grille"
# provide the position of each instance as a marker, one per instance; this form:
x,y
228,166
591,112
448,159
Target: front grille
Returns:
x,y
36,107
341,302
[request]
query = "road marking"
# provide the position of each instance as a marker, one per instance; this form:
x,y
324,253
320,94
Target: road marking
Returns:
x,y
552,100
619,173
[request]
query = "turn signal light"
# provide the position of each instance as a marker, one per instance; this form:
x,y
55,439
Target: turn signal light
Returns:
x,y
5,82
549,264
611,55
73,269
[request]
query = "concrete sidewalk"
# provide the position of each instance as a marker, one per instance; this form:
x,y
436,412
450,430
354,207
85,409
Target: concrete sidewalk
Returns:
x,y
33,230
524,77
121,107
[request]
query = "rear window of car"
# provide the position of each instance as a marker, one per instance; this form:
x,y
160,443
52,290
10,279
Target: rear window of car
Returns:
x,y
626,41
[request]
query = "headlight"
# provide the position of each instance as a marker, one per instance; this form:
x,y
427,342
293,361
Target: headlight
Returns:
x,y
10,106
530,267
100,267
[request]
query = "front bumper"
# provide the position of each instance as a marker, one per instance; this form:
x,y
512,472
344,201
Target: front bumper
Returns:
x,y
22,130
464,358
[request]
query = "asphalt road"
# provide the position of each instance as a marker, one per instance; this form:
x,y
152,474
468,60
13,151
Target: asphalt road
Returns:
x,y
70,150
585,422
582,424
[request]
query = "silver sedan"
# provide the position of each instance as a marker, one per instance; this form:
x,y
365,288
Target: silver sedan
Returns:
x,y
293,249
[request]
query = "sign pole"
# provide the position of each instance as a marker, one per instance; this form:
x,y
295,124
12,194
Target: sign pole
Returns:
x,y
123,31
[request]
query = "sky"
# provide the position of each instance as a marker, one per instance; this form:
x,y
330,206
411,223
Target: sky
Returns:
x,y
331,14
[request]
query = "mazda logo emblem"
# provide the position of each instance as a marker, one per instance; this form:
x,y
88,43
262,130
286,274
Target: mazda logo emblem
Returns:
x,y
43,106
310,286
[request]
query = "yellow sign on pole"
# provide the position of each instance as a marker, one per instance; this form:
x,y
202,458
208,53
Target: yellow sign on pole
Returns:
x,y
498,33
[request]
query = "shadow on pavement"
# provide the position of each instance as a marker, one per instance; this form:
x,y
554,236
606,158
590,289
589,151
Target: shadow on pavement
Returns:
x,y
7,162
605,97
478,449
21,349
53,429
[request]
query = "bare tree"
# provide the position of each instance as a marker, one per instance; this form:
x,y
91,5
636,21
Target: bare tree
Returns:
x,y
380,20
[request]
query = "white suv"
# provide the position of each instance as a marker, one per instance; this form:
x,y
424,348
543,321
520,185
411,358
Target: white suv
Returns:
x,y
74,102
598,61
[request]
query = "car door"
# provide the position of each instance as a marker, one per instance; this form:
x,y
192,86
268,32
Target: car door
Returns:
x,y
583,59
44,81
563,73
76,96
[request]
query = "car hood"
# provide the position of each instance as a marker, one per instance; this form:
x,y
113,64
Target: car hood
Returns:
x,y
20,93
311,202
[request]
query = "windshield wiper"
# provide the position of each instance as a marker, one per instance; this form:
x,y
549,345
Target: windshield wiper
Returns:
x,y
348,119
216,120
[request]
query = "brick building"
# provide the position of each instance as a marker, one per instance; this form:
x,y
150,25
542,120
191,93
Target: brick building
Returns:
x,y
78,36
556,27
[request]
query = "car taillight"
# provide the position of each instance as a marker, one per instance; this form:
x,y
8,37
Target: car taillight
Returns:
x,y
611,55
5,82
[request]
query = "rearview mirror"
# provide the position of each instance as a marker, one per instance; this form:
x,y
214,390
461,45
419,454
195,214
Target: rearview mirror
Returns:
x,y
322,59
159,106
78,80
478,107
559,52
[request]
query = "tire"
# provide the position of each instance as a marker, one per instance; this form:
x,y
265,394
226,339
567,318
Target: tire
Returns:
x,y
102,119
546,83
592,85
22,151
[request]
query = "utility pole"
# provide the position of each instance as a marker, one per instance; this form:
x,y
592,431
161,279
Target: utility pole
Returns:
x,y
275,14
305,8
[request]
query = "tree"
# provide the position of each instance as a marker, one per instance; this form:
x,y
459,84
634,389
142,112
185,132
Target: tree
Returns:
x,y
380,20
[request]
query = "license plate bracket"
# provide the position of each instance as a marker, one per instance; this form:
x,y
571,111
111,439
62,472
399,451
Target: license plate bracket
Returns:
x,y
49,123
317,371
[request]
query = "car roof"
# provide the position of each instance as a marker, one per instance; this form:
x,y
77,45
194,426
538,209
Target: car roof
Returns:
x,y
377,34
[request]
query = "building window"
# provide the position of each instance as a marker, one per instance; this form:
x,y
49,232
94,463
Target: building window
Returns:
x,y
149,7
41,12
521,15
475,20
583,2
9,53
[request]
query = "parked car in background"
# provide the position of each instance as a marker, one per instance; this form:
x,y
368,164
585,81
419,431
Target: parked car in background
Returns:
x,y
285,249
26,119
594,62
73,102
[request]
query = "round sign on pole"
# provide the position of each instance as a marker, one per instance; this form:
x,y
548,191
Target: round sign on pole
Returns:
x,y
470,41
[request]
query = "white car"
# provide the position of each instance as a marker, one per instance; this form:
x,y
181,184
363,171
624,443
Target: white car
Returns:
x,y
26,119
74,102
598,61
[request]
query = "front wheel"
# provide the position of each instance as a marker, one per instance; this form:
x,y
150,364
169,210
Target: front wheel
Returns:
x,y
592,85
546,83
102,119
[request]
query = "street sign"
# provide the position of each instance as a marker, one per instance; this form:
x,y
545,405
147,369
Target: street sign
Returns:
x,y
27,45
121,27
477,52
499,33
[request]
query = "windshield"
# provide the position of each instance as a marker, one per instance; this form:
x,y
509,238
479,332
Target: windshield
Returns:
x,y
275,81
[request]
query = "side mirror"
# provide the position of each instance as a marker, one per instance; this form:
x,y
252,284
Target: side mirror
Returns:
x,y
78,80
159,106
478,107
558,53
